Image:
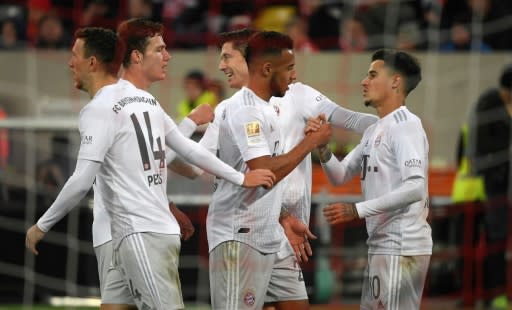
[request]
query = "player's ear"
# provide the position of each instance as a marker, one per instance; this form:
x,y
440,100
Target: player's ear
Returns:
x,y
396,81
135,56
93,63
267,69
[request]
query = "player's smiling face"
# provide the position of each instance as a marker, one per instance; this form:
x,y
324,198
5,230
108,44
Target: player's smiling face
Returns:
x,y
233,64
79,65
377,85
283,73
155,58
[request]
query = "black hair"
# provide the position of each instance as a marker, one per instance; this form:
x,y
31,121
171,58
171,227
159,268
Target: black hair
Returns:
x,y
402,63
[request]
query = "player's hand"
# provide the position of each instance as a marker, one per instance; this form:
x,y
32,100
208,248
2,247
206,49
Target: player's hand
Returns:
x,y
340,212
186,227
34,235
202,114
259,177
321,136
314,124
298,235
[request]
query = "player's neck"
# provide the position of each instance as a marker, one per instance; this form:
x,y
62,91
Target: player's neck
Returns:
x,y
389,106
259,89
137,79
101,82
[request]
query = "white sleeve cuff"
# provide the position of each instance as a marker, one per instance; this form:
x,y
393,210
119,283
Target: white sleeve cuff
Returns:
x,y
187,127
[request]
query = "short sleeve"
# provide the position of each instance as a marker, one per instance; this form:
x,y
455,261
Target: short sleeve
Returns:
x,y
409,144
248,130
97,132
312,102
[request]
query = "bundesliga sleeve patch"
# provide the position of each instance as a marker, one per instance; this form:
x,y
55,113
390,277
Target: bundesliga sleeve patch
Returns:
x,y
253,133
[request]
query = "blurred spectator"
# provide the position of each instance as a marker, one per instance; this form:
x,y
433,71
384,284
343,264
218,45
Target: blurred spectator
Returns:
x,y
238,22
140,9
196,93
297,29
486,22
231,15
324,24
383,19
462,40
186,22
51,33
36,10
410,36
353,37
99,13
489,145
274,17
10,38
217,88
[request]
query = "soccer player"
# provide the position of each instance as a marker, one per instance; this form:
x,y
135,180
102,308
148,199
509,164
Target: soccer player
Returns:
x,y
243,225
299,103
123,131
100,43
392,160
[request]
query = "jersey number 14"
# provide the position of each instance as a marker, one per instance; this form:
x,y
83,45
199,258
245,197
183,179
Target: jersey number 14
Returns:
x,y
159,154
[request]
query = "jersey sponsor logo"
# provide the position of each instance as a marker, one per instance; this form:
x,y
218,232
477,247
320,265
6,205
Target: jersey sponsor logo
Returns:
x,y
127,100
249,298
86,139
413,163
253,133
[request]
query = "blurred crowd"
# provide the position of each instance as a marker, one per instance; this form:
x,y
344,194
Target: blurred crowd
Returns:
x,y
347,25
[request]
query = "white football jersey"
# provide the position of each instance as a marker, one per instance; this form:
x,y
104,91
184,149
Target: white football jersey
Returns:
x,y
101,219
248,129
300,103
392,150
124,128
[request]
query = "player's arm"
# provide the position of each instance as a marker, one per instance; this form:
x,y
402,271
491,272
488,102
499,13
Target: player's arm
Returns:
x,y
337,171
71,194
410,191
202,158
408,147
316,103
282,165
201,115
97,133
209,141
351,120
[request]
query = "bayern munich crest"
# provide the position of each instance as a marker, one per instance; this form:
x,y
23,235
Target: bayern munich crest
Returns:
x,y
249,299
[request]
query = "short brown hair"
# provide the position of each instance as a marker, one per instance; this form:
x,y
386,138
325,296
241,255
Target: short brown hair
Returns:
x,y
238,38
104,44
135,34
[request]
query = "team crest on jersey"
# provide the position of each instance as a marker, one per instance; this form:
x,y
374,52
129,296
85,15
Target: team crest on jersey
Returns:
x,y
249,298
377,141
